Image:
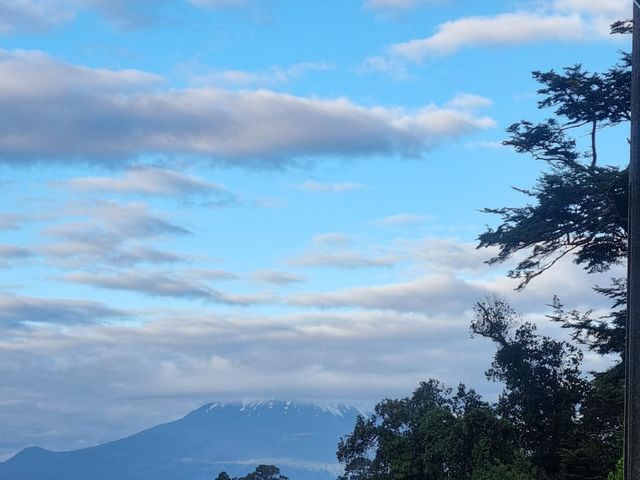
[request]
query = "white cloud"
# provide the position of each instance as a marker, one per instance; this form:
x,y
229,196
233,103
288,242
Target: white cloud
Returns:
x,y
8,251
544,21
10,221
186,284
469,101
151,181
488,144
274,75
331,240
126,220
124,115
614,8
338,187
438,293
334,250
400,219
18,16
95,233
218,3
343,259
504,29
125,14
393,67
19,311
32,15
276,277
397,5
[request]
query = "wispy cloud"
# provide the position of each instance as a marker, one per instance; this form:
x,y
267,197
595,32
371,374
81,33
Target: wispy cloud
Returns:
x,y
272,76
613,8
388,6
488,144
420,295
218,3
11,221
343,259
469,101
18,16
400,220
14,251
128,220
150,181
108,233
19,311
31,15
187,284
331,240
338,187
277,277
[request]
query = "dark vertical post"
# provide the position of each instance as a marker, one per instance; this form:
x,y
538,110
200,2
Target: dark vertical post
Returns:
x,y
632,354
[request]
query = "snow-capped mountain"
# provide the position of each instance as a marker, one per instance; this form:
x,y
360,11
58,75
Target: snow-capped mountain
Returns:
x,y
299,438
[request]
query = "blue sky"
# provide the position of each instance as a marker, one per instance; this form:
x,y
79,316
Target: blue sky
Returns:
x,y
242,199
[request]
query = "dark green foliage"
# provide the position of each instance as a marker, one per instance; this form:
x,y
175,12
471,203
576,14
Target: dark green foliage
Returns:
x,y
578,205
437,435
543,383
578,210
549,423
432,435
598,438
604,335
618,473
520,469
262,472
622,27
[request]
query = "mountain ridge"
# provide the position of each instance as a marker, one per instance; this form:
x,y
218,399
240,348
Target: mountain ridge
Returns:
x,y
299,437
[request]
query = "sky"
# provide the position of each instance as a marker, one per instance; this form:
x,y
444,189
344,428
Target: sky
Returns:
x,y
221,200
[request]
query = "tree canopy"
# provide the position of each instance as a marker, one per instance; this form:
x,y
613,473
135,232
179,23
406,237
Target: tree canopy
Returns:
x,y
262,472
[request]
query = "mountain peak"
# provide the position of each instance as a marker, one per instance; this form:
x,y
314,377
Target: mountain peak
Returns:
x,y
287,406
299,437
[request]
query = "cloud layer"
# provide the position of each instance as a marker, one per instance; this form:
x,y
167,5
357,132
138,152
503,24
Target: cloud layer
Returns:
x,y
355,343
125,114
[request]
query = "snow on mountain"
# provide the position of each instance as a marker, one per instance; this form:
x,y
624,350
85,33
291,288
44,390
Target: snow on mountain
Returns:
x,y
300,438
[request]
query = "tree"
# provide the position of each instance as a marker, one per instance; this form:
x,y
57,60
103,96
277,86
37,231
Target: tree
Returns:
x,y
432,435
262,472
543,383
577,209
579,205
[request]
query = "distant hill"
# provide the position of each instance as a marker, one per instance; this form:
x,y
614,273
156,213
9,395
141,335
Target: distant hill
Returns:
x,y
299,438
